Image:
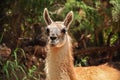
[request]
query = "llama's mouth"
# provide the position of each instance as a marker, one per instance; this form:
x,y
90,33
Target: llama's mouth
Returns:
x,y
53,43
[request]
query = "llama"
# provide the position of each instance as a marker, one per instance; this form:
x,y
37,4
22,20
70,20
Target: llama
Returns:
x,y
59,60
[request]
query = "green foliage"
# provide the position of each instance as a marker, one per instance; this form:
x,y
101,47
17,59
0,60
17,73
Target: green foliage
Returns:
x,y
31,74
113,38
30,71
84,14
115,10
83,62
31,10
13,68
1,37
116,14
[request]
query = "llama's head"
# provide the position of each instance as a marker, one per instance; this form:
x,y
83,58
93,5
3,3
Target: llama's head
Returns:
x,y
57,31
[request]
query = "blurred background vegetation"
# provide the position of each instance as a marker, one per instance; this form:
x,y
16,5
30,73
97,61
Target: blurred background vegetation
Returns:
x,y
95,32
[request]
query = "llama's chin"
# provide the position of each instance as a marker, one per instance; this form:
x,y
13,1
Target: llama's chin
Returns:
x,y
52,45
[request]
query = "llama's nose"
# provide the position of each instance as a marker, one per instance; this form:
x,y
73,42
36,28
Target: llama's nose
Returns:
x,y
53,37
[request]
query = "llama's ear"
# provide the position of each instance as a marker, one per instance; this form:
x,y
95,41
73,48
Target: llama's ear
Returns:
x,y
68,19
46,16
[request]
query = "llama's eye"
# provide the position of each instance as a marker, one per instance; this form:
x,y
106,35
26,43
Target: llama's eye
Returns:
x,y
63,30
47,30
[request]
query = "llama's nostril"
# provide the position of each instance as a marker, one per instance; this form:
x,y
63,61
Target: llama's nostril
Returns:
x,y
53,38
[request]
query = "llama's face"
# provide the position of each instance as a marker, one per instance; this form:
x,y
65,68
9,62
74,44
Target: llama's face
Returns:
x,y
57,31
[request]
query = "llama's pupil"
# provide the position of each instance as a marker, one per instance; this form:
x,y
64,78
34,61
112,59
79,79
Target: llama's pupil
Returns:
x,y
63,30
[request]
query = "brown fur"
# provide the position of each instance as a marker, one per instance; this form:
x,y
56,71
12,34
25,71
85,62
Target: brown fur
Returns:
x,y
102,72
59,61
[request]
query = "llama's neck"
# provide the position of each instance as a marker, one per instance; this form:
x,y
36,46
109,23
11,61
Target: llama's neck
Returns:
x,y
59,62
